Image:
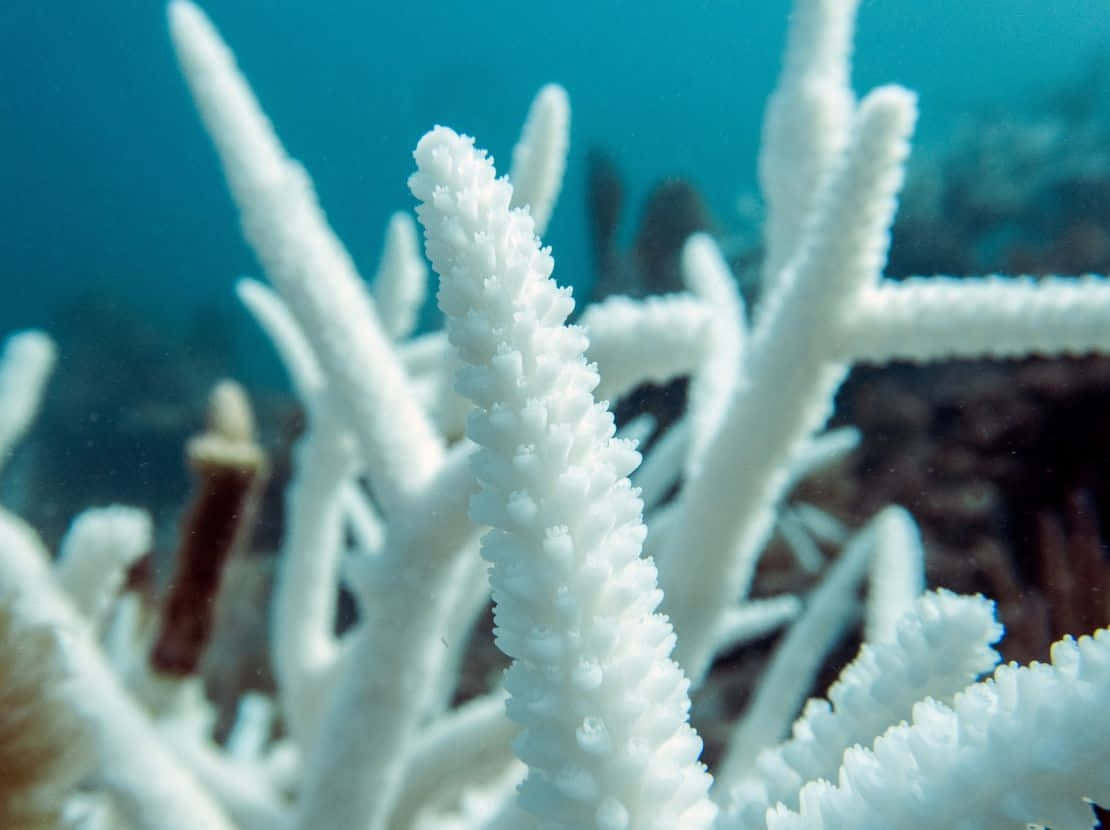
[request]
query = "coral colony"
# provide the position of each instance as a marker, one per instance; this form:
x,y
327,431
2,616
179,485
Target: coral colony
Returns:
x,y
493,466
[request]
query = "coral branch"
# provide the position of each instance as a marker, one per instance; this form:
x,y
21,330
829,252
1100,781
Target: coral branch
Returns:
x,y
573,599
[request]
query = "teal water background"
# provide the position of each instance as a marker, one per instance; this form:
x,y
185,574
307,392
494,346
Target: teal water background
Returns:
x,y
110,186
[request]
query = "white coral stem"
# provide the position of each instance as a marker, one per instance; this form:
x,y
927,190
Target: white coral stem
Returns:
x,y
25,367
540,156
786,393
285,226
939,318
573,598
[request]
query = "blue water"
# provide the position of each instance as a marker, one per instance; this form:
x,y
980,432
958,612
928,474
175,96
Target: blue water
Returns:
x,y
109,184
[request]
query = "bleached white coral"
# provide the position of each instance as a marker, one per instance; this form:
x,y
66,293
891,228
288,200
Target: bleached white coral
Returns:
x,y
96,552
599,706
941,646
25,366
540,157
1030,746
602,707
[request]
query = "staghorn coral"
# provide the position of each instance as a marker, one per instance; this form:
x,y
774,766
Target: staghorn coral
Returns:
x,y
598,695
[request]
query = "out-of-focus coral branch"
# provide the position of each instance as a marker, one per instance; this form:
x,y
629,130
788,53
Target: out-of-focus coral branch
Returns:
x,y
24,369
